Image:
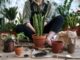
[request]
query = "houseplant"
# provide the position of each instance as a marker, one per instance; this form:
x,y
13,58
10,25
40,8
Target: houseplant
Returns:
x,y
18,48
10,14
64,10
72,19
8,42
38,23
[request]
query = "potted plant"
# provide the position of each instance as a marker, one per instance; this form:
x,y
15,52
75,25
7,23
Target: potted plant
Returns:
x,y
72,19
8,42
10,14
38,23
19,48
64,11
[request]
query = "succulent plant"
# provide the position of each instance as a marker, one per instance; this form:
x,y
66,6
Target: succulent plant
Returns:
x,y
38,24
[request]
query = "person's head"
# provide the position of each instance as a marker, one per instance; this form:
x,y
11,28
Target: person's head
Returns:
x,y
39,1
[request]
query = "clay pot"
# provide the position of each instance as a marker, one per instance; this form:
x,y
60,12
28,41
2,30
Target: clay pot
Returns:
x,y
19,50
71,48
39,41
57,46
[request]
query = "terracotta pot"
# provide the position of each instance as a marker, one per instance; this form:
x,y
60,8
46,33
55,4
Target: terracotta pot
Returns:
x,y
19,50
57,46
71,48
39,41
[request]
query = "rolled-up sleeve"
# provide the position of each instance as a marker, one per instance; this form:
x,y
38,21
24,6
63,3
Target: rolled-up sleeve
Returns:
x,y
26,12
52,11
48,13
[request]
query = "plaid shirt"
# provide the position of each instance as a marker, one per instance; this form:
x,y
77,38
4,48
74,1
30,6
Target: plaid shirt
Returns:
x,y
51,11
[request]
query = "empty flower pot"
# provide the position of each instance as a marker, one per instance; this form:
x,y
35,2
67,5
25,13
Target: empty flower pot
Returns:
x,y
57,46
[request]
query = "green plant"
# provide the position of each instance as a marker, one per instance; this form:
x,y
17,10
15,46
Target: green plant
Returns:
x,y
10,13
21,18
78,14
2,5
20,36
64,11
8,27
38,23
73,19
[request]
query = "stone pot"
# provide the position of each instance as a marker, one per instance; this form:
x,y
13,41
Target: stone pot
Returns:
x,y
71,48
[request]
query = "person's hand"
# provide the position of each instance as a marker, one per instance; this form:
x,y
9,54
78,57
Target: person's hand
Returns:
x,y
50,37
45,23
30,26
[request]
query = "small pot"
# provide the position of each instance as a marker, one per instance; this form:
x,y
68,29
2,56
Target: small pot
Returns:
x,y
71,48
57,46
19,50
39,41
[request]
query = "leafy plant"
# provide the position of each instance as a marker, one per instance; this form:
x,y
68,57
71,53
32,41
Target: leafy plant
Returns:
x,y
20,36
78,13
10,13
73,19
64,11
38,23
7,27
21,18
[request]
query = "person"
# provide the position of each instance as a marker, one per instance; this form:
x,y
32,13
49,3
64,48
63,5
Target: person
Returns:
x,y
51,25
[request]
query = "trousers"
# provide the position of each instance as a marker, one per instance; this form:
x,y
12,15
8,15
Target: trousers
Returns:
x,y
54,25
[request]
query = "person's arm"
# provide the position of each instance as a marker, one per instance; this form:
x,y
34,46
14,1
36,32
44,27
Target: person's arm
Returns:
x,y
45,23
49,13
27,15
30,26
